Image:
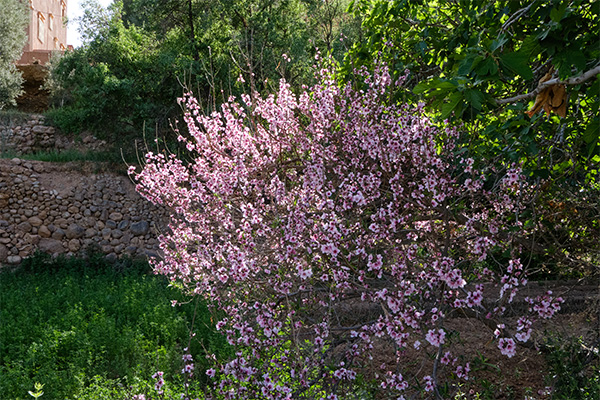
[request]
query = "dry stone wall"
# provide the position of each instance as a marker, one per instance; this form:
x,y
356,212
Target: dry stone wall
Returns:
x,y
30,134
62,209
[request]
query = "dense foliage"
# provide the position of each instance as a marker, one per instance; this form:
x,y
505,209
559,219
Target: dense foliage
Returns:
x,y
299,211
481,64
13,20
138,54
82,326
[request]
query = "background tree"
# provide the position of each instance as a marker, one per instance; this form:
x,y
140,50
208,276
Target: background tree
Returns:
x,y
139,53
482,64
13,20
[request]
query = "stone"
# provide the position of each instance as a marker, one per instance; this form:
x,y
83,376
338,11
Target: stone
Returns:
x,y
74,245
3,253
51,246
44,232
106,233
24,227
58,234
75,231
126,238
151,254
32,239
117,233
61,222
139,228
13,259
35,221
111,224
116,216
90,232
123,224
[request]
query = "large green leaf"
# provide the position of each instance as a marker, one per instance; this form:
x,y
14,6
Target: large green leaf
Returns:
x,y
449,106
475,98
517,62
592,132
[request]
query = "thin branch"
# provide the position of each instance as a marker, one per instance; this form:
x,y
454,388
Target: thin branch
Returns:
x,y
571,81
515,17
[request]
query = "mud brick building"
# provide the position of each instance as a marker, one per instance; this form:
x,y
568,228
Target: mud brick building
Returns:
x,y
47,31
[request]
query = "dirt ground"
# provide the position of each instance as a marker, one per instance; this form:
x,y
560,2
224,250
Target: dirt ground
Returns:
x,y
527,374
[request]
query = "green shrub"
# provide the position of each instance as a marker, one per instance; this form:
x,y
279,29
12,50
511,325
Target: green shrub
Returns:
x,y
574,368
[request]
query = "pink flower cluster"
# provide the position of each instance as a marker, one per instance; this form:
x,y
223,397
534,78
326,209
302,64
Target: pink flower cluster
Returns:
x,y
327,225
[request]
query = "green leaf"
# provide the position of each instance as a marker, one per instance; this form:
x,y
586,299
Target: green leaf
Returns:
x,y
466,65
542,173
592,132
517,62
576,58
557,14
498,42
440,85
421,87
530,47
475,98
487,67
453,101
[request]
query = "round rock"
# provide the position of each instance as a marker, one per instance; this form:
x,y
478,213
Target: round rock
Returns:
x,y
75,231
139,228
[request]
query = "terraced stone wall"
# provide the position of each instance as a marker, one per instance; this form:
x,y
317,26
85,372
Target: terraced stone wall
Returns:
x,y
63,209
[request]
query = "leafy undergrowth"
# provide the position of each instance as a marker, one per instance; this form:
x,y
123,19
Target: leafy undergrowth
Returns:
x,y
88,329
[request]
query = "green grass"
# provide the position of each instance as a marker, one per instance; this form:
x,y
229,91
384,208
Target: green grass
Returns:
x,y
85,327
13,116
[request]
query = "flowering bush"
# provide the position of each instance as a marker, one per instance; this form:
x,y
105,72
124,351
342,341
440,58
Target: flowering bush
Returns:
x,y
337,232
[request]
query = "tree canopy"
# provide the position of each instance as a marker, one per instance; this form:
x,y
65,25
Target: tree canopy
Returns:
x,y
521,79
139,53
482,62
13,20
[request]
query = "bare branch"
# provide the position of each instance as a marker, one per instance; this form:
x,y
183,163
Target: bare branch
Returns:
x,y
571,81
515,17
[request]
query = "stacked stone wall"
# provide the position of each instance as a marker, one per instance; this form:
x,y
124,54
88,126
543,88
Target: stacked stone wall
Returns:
x,y
31,133
62,209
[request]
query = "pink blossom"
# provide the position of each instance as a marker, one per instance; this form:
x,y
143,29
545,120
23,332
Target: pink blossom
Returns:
x,y
436,338
295,215
507,347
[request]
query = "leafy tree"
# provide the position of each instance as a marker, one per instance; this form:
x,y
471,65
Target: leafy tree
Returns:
x,y
481,62
521,78
13,20
139,53
120,80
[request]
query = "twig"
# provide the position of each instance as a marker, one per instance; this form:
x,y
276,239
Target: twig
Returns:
x,y
515,17
571,81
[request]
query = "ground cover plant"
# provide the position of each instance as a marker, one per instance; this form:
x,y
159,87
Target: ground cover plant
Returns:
x,y
336,225
88,329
